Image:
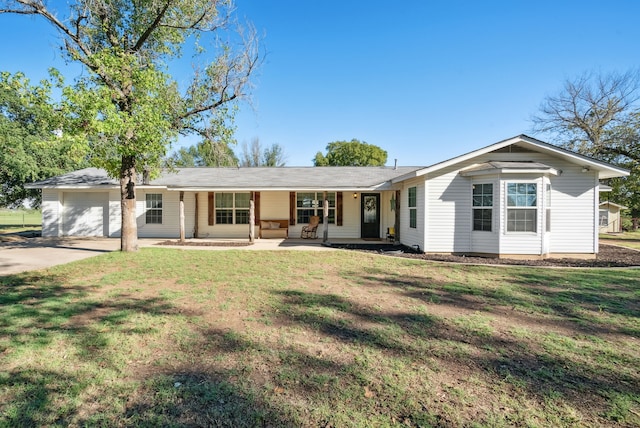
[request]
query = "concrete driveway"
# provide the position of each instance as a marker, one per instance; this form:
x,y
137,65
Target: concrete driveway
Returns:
x,y
21,255
25,254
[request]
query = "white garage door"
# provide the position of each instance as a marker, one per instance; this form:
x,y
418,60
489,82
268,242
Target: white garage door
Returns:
x,y
85,214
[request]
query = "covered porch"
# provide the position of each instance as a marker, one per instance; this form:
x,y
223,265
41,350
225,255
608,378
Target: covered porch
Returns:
x,y
349,216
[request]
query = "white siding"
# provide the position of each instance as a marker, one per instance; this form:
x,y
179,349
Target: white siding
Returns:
x,y
221,231
274,205
51,212
115,216
170,227
448,212
449,219
571,193
412,237
521,242
387,214
486,241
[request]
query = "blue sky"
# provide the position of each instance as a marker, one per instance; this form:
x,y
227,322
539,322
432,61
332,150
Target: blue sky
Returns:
x,y
425,80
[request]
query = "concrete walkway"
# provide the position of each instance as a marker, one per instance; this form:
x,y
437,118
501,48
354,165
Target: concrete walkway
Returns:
x,y
26,254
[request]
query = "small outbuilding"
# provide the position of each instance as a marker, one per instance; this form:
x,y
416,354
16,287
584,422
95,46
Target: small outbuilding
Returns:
x,y
610,219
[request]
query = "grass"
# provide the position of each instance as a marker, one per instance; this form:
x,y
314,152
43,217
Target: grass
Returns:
x,y
625,239
240,338
14,221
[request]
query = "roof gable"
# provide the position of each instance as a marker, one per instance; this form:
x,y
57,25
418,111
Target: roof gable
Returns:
x,y
522,144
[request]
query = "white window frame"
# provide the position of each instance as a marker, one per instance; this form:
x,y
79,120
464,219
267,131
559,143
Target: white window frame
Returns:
x,y
153,212
518,207
234,210
312,205
547,210
413,207
481,205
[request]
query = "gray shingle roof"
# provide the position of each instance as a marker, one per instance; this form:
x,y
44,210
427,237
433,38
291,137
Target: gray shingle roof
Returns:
x,y
303,178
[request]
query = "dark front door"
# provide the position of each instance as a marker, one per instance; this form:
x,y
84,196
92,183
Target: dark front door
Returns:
x,y
370,215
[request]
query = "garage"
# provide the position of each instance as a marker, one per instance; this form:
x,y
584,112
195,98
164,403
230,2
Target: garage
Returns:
x,y
85,214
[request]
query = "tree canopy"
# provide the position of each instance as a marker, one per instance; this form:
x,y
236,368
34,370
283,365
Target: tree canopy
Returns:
x,y
598,115
205,153
351,153
128,107
32,146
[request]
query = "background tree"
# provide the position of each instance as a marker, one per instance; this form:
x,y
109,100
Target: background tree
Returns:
x,y
597,115
127,107
255,154
205,153
351,153
31,145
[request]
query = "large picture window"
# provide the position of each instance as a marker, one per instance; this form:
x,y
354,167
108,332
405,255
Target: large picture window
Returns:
x,y
412,201
522,203
232,208
482,207
153,208
310,203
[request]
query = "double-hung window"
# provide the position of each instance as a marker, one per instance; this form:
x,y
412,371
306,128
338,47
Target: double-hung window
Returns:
x,y
483,207
310,203
522,207
232,208
412,200
153,208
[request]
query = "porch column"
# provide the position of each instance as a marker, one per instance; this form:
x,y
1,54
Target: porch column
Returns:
x,y
325,217
195,224
252,220
397,221
181,216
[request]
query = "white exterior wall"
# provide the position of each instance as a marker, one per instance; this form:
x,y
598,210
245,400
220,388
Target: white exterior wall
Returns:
x,y
216,231
387,215
115,216
486,241
350,220
170,227
449,218
521,242
449,214
51,212
412,237
574,192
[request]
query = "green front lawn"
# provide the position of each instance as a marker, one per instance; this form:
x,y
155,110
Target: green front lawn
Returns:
x,y
14,221
245,338
625,239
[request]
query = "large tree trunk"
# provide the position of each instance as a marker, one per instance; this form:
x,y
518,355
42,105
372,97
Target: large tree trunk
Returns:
x,y
129,229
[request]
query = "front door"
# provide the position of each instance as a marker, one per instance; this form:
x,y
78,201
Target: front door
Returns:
x,y
370,215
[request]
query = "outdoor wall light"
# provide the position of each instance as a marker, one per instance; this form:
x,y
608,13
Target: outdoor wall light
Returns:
x,y
585,169
355,195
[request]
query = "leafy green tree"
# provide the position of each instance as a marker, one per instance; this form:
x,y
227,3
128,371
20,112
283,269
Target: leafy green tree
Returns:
x,y
32,146
205,153
127,107
351,153
254,155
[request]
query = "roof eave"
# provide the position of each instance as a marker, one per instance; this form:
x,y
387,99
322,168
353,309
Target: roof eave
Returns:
x,y
605,170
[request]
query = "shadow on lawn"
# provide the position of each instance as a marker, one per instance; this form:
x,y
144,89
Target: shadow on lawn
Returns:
x,y
223,386
529,364
44,388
